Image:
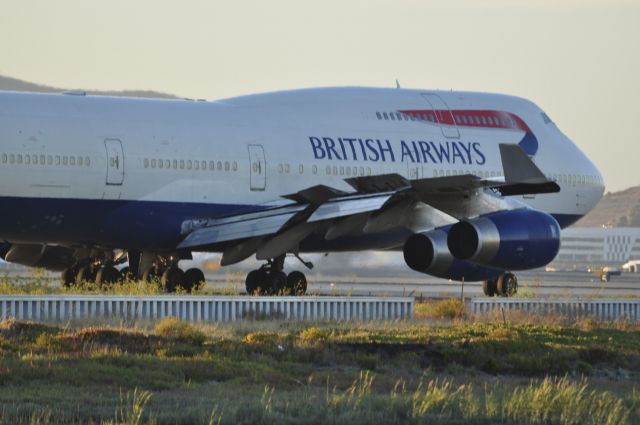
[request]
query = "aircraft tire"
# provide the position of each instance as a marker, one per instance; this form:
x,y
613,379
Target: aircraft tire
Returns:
x,y
193,279
172,278
253,282
150,275
507,285
107,275
489,287
296,283
276,283
68,277
85,274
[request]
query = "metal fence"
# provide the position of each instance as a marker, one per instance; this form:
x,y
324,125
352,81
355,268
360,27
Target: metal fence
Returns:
x,y
602,309
57,308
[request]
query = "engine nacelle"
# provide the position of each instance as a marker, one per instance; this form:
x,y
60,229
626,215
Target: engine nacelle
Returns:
x,y
428,253
514,240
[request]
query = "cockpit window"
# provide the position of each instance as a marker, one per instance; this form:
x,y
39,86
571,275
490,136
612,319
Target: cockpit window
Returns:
x,y
546,118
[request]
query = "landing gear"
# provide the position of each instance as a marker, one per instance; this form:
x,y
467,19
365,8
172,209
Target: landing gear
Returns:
x,y
107,275
193,279
270,279
489,287
505,285
100,267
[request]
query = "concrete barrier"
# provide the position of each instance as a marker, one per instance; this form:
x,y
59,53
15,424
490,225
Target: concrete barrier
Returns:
x,y
603,309
57,308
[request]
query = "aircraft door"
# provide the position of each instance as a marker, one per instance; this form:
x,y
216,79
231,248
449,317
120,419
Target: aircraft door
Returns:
x,y
258,167
115,162
443,115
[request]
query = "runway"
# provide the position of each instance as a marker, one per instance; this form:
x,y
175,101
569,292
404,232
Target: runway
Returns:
x,y
398,282
531,284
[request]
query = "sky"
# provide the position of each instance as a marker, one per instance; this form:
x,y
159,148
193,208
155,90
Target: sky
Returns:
x,y
577,59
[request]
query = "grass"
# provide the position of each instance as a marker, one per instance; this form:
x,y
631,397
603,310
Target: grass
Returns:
x,y
270,372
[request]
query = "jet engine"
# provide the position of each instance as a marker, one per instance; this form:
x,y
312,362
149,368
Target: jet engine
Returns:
x,y
513,240
428,253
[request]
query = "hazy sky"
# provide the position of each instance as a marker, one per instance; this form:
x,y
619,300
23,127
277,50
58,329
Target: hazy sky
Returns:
x,y
578,59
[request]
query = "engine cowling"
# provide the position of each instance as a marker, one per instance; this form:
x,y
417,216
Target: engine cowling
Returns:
x,y
515,240
428,253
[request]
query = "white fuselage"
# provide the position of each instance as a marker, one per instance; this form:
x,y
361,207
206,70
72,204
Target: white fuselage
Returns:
x,y
143,159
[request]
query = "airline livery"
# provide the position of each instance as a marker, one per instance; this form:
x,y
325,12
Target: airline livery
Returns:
x,y
469,186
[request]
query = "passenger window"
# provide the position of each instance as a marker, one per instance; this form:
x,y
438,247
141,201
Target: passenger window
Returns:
x,y
167,163
235,166
384,114
35,159
153,163
146,163
12,158
378,115
65,160
314,169
175,164
27,159
368,171
212,165
41,159
196,165
203,165
79,161
72,160
160,164
335,170
57,159
189,164
219,165
300,168
328,170
182,164
348,171
280,168
19,161
4,158
50,160
392,116
362,171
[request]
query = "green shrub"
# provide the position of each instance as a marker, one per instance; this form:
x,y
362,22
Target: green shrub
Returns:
x,y
175,329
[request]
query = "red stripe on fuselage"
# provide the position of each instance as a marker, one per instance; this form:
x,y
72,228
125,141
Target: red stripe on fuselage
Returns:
x,y
470,118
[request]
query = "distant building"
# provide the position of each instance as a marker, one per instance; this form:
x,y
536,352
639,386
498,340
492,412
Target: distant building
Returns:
x,y
584,247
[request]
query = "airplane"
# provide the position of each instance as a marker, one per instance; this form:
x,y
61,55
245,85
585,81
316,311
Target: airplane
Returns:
x,y
470,186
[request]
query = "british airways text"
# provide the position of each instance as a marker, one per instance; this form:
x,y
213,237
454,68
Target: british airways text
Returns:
x,y
417,151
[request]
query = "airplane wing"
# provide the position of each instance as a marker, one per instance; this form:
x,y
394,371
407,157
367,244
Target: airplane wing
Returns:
x,y
377,203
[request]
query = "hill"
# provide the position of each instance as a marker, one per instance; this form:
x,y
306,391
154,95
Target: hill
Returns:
x,y
14,84
618,209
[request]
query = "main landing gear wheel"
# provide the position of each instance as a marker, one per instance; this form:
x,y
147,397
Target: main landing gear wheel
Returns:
x,y
253,282
193,279
489,287
507,285
85,274
296,283
107,275
68,277
172,278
